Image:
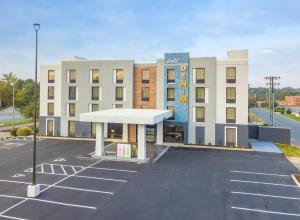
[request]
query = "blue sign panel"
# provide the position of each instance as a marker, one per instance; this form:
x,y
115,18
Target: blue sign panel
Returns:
x,y
180,63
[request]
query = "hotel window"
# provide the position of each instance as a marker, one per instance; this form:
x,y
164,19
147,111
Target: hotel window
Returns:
x,y
72,93
230,74
50,109
230,115
200,75
95,93
117,106
95,75
95,107
171,75
145,76
50,92
172,108
119,75
71,128
145,94
230,94
72,76
51,76
171,94
71,109
200,94
200,114
119,93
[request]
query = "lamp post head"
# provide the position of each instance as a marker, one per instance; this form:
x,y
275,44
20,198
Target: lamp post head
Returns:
x,y
36,26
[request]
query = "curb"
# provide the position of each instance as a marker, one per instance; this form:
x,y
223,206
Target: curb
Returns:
x,y
295,179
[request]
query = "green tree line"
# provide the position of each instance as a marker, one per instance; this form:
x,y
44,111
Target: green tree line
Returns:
x,y
24,93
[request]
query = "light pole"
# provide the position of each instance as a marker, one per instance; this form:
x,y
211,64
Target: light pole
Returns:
x,y
13,99
33,190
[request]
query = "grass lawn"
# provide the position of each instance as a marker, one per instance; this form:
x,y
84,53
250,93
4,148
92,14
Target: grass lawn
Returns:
x,y
289,151
9,123
291,116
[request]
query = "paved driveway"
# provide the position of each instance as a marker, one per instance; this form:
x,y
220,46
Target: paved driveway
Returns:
x,y
184,184
281,121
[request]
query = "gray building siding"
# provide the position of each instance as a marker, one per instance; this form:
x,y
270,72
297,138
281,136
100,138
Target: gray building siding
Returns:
x,y
43,125
242,134
200,135
82,129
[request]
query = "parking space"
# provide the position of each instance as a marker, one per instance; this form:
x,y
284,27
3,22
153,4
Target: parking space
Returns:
x,y
71,188
184,183
273,195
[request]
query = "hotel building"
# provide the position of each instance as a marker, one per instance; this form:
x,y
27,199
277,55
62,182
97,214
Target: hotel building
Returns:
x,y
208,97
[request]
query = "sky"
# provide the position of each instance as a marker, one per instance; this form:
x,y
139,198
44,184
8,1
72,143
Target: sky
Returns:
x,y
144,30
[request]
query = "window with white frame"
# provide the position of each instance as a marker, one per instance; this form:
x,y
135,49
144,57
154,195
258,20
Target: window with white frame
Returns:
x,y
71,76
95,93
71,109
200,114
72,93
50,92
94,76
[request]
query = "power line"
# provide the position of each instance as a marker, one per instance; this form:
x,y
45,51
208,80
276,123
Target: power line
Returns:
x,y
271,84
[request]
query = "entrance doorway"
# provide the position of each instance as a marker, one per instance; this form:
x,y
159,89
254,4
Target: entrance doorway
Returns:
x,y
230,136
173,133
50,127
115,131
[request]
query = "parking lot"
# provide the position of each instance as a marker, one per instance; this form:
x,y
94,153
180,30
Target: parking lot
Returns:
x,y
183,184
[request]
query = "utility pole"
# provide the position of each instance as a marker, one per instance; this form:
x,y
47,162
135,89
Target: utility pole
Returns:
x,y
271,84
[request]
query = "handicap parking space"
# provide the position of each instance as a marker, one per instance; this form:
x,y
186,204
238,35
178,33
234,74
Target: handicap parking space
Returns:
x,y
68,185
263,195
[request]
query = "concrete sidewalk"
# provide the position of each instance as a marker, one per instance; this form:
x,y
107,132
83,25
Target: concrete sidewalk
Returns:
x,y
264,146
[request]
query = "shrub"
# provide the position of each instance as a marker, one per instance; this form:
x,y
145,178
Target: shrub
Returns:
x,y
13,132
288,111
24,131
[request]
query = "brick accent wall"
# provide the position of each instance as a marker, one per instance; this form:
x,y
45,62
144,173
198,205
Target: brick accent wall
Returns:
x,y
137,96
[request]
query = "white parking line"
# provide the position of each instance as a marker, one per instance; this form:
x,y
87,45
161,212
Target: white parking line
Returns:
x,y
62,187
67,177
265,211
52,170
48,201
19,203
247,172
11,217
63,169
264,183
87,177
110,169
266,195
98,168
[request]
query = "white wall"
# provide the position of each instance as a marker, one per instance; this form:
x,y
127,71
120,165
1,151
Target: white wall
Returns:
x,y
241,87
44,89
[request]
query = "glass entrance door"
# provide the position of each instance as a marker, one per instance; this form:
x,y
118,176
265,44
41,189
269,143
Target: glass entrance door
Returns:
x,y
173,133
50,127
231,137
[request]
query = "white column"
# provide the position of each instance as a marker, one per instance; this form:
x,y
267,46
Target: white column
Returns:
x,y
141,142
159,133
99,148
125,133
105,130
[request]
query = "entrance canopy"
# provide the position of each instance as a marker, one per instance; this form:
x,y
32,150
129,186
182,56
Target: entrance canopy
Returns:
x,y
127,116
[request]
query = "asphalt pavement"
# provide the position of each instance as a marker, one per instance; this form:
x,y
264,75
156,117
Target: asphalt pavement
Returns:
x,y
183,184
280,121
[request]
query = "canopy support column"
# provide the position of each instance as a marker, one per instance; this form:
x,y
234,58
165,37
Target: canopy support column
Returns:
x,y
141,142
99,148
125,132
159,132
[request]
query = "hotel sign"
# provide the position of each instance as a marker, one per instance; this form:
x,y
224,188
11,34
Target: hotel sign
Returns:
x,y
183,96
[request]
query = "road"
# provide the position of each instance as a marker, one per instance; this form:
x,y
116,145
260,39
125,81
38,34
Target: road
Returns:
x,y
6,115
280,121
